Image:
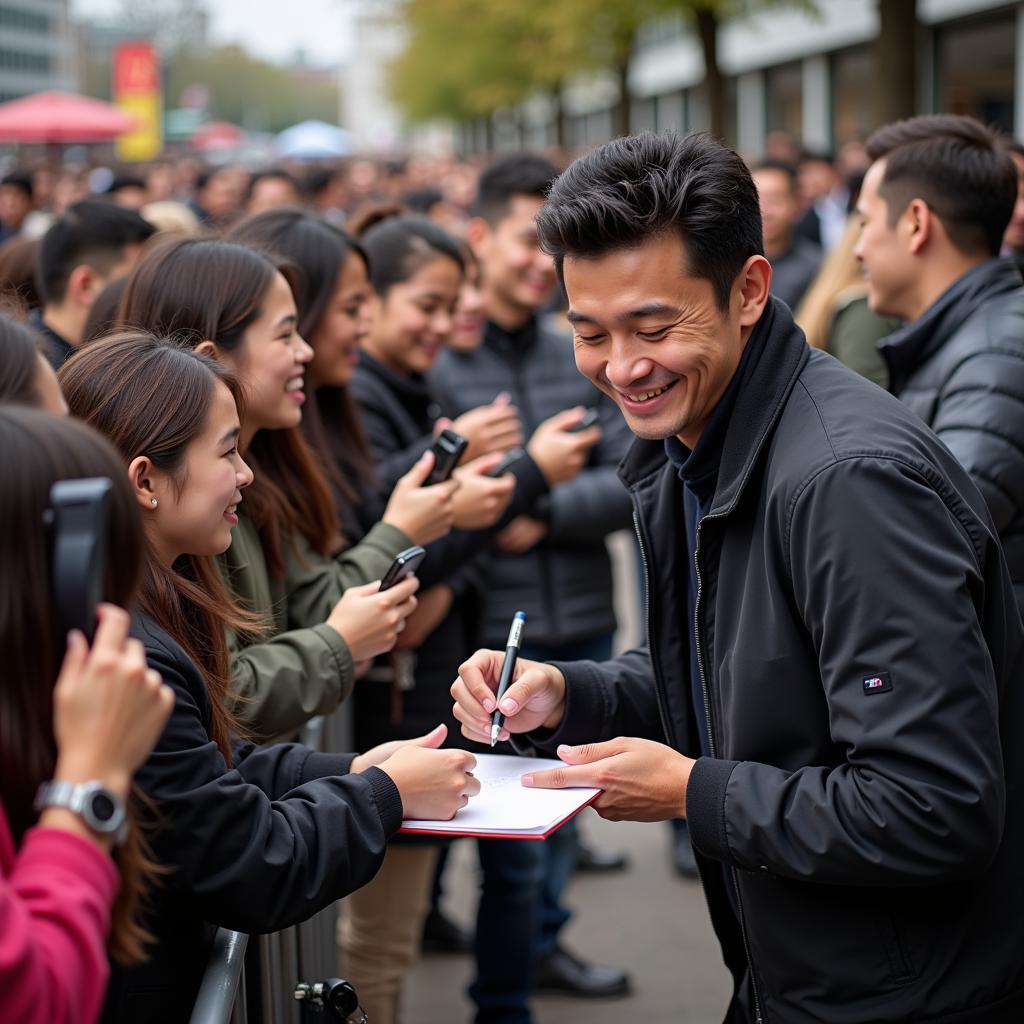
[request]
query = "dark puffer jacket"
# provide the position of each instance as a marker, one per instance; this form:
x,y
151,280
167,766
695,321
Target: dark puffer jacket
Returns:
x,y
960,367
565,583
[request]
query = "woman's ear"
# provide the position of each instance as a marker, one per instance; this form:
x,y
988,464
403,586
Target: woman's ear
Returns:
x,y
207,348
142,478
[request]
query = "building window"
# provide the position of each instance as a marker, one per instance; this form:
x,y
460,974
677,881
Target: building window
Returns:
x,y
783,92
853,73
27,21
975,70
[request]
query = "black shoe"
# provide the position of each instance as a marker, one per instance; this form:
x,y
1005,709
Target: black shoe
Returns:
x,y
682,855
597,860
562,973
442,935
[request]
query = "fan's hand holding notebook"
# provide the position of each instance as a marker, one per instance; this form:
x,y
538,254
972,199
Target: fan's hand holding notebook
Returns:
x,y
505,808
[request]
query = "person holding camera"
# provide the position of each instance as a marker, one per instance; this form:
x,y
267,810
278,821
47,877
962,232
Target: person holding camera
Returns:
x,y
76,722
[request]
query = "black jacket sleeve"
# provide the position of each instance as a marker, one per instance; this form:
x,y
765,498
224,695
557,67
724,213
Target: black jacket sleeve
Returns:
x,y
603,700
886,576
265,843
979,415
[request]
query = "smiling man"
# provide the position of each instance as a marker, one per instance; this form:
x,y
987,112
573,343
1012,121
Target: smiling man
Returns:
x,y
832,634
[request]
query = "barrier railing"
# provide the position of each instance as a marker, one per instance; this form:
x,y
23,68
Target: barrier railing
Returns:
x,y
305,952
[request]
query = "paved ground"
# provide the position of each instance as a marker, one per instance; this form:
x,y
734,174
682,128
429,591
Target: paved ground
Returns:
x,y
644,920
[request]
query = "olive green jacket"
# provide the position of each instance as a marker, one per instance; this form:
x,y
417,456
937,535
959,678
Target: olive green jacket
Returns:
x,y
304,668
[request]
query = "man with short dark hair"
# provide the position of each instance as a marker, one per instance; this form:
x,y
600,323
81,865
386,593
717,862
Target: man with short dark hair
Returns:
x,y
94,243
830,690
273,189
795,261
935,206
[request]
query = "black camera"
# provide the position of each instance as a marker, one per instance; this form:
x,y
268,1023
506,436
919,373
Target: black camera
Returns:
x,y
78,524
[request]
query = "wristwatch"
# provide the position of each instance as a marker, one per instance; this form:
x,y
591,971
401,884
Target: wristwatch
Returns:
x,y
100,809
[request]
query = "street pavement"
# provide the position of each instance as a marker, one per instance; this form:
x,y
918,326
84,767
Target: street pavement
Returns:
x,y
645,920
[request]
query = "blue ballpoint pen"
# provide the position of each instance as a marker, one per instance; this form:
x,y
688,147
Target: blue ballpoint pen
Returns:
x,y
508,669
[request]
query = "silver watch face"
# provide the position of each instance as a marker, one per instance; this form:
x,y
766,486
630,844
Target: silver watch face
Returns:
x,y
104,808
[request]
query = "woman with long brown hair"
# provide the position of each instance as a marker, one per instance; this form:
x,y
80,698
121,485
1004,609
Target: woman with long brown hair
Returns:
x,y
86,724
253,838
324,612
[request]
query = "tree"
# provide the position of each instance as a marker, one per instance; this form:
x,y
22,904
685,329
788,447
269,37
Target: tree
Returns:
x,y
465,59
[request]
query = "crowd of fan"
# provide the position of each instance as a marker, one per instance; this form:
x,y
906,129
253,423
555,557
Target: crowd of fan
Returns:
x,y
260,363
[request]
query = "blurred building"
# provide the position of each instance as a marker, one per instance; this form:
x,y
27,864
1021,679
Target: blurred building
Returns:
x,y
787,70
36,47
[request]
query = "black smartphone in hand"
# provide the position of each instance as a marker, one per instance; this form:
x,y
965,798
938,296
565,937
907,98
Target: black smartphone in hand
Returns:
x,y
405,565
508,460
448,449
589,419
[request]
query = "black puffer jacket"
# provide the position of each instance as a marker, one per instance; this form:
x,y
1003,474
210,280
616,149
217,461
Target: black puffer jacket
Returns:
x,y
565,583
960,367
861,655
255,845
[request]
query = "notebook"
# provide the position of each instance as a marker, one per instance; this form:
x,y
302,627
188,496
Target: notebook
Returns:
x,y
504,808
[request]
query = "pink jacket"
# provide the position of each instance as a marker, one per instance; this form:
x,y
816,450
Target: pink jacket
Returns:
x,y
55,899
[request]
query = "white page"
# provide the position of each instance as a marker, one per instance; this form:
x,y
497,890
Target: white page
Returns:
x,y
504,804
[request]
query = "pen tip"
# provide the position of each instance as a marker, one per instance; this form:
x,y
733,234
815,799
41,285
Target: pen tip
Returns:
x,y
495,730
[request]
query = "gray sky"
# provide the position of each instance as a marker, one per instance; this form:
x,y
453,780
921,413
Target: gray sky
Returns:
x,y
273,29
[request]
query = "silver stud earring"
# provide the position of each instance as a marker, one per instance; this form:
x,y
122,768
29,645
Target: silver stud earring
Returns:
x,y
153,502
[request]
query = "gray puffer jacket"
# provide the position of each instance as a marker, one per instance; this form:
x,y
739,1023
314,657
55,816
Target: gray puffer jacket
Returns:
x,y
565,583
960,367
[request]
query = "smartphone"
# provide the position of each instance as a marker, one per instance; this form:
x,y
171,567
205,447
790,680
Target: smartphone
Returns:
x,y
78,521
508,460
589,419
448,449
405,564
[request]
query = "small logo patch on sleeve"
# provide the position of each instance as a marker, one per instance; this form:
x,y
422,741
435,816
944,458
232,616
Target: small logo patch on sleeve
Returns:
x,y
882,683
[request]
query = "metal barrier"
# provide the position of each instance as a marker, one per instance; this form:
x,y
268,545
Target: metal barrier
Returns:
x,y
305,952
222,993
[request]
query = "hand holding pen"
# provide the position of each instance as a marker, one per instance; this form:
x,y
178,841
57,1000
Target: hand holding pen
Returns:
x,y
508,671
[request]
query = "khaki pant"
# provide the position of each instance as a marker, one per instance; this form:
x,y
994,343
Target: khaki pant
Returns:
x,y
381,927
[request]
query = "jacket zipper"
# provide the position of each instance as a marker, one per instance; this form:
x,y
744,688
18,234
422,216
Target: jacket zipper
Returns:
x,y
711,746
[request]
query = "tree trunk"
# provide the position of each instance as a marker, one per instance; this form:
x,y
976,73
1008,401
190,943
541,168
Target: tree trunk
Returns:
x,y
620,112
561,118
895,50
707,31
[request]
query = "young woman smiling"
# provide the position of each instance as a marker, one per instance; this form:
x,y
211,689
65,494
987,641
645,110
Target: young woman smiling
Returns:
x,y
298,828
324,612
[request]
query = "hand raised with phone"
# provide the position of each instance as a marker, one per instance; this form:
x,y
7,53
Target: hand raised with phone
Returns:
x,y
490,428
482,498
369,620
560,448
422,513
109,709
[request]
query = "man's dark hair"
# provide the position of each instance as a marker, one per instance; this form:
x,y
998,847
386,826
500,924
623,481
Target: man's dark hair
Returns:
x,y
518,174
272,174
642,186
955,165
422,200
772,164
817,156
93,232
19,180
121,181
318,179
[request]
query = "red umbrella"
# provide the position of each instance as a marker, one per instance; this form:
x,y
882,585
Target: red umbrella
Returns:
x,y
217,135
61,117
